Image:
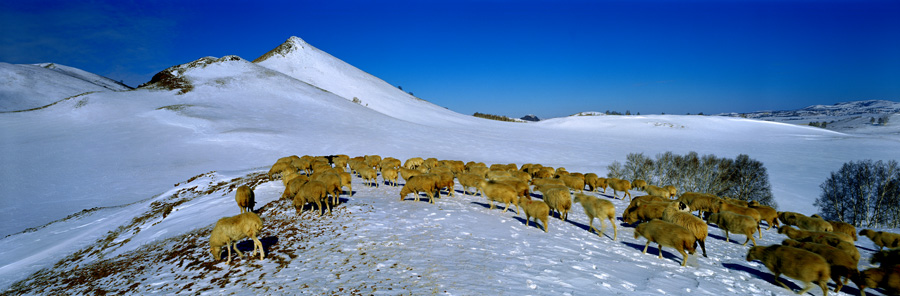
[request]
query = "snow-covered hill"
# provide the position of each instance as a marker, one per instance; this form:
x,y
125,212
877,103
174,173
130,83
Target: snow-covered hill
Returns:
x,y
118,155
32,86
858,117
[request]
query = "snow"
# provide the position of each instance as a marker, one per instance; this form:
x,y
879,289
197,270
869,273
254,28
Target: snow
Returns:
x,y
118,153
33,86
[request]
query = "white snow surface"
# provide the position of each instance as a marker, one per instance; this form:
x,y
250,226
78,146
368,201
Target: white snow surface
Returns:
x,y
32,86
118,152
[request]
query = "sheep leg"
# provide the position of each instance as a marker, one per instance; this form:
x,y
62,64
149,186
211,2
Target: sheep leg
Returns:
x,y
683,261
591,228
507,208
257,243
702,245
615,232
431,197
806,287
240,254
545,224
646,245
726,237
228,247
759,229
778,274
659,248
837,280
528,220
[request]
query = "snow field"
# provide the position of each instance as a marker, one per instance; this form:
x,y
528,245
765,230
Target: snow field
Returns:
x,y
377,244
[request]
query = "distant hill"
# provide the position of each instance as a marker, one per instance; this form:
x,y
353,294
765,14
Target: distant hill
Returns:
x,y
845,116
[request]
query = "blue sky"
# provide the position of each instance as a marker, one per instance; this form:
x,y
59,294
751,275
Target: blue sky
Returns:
x,y
550,58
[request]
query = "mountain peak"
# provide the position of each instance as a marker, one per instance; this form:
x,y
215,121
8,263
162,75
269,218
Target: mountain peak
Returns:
x,y
292,44
173,77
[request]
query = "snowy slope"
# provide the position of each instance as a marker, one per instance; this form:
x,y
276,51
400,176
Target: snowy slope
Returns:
x,y
850,117
32,86
118,153
301,60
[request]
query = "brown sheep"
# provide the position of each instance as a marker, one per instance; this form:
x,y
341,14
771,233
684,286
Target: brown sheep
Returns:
x,y
639,185
882,239
413,163
845,228
521,187
741,210
798,234
690,222
795,263
700,202
653,190
312,192
369,176
544,181
848,248
426,183
645,199
813,224
573,182
735,223
673,191
229,230
620,185
332,183
886,258
279,168
767,213
666,234
592,181
389,174
887,279
406,173
291,188
644,212
842,266
598,208
245,198
346,181
467,180
789,218
535,209
499,192
445,180
559,200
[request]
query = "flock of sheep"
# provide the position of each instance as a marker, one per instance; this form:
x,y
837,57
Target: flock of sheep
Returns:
x,y
816,251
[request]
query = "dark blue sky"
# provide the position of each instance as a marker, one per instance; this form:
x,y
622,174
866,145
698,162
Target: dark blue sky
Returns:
x,y
550,58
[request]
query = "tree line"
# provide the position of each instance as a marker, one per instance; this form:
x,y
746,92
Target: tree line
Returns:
x,y
740,178
863,193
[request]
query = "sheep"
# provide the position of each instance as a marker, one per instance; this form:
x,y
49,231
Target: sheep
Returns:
x,y
312,192
882,239
735,223
813,224
645,199
645,212
848,248
346,181
789,218
229,230
413,163
666,234
544,181
406,173
700,202
559,200
795,263
598,208
245,198
620,185
766,213
653,190
536,209
279,168
690,222
799,233
737,209
639,185
886,258
573,182
845,228
887,279
467,180
291,188
332,183
499,192
369,176
593,182
389,174
842,266
521,187
286,177
445,180
673,191
421,183
373,161
389,163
